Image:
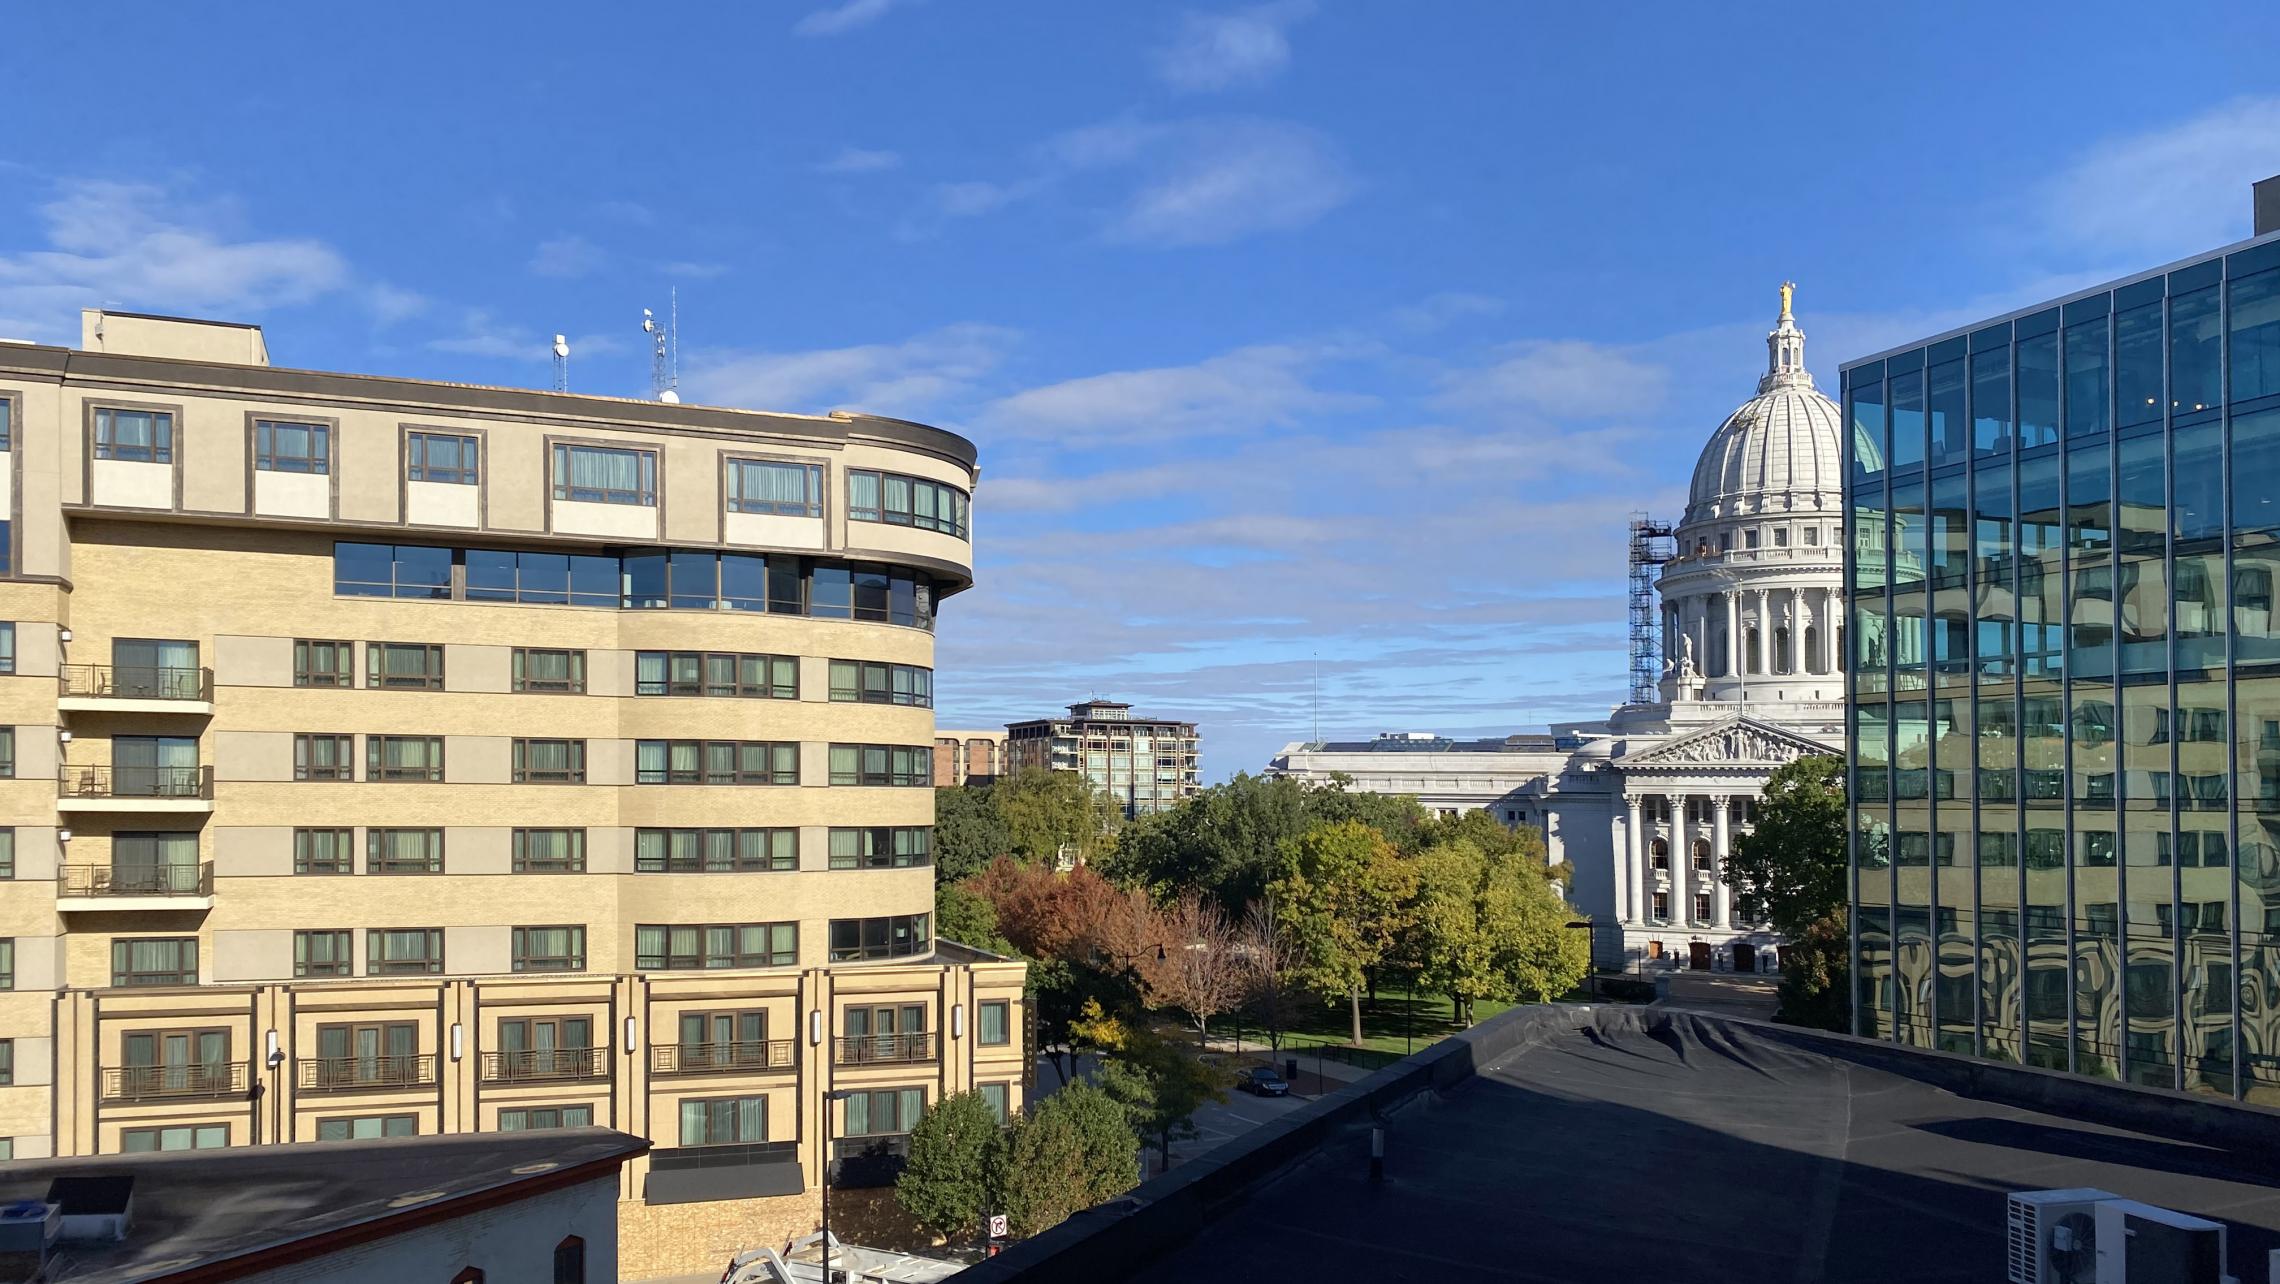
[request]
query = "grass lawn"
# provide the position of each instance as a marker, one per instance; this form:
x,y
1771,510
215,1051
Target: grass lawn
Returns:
x,y
1396,1025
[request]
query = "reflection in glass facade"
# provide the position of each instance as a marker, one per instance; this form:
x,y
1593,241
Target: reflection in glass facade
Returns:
x,y
2064,683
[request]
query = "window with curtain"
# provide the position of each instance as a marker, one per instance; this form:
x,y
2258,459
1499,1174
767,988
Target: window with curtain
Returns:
x,y
680,946
991,1028
280,446
897,936
724,1121
906,501
324,756
884,1113
367,1127
135,1141
549,949
539,1118
881,847
441,457
716,762
323,953
322,851
7,853
605,475
872,682
550,762
907,766
549,669
403,951
136,436
403,851
995,1096
7,962
715,851
414,666
549,851
7,753
403,758
7,424
7,640
717,673
323,663
780,489
154,960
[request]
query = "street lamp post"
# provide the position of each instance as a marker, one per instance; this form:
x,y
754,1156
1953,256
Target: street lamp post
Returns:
x,y
834,1094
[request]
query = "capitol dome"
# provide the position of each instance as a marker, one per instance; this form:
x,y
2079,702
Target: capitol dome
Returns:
x,y
1780,451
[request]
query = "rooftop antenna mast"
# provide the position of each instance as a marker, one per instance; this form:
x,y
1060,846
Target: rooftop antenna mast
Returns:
x,y
561,364
664,350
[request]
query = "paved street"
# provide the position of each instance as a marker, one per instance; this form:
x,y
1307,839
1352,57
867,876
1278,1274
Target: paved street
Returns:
x,y
1218,1122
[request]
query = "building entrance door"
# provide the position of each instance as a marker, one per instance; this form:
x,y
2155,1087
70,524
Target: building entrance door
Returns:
x,y
1654,949
1698,955
1745,957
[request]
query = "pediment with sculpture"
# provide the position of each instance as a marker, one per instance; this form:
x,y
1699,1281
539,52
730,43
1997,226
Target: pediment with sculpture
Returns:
x,y
1736,742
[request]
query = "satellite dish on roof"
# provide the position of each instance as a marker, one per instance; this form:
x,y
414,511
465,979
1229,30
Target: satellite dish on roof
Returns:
x,y
561,345
669,396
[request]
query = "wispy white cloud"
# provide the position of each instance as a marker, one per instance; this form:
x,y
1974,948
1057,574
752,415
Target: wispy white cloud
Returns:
x,y
1232,179
1238,392
146,245
849,15
566,257
481,333
917,377
631,212
861,160
693,270
1438,311
2166,192
391,304
1567,377
1215,51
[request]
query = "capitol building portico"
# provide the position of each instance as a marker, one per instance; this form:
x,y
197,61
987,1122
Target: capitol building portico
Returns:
x,y
1645,806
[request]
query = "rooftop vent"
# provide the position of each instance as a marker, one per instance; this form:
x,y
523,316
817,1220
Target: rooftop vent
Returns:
x,y
2267,194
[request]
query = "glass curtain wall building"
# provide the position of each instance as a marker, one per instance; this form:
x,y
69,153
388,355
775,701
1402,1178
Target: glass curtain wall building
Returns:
x,y
2064,691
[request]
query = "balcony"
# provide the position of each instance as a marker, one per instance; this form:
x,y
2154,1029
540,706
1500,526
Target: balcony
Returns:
x,y
720,1058
366,1074
109,688
135,789
549,1066
116,888
166,1083
882,1049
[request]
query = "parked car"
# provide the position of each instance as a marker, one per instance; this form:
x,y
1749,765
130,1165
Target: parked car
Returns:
x,y
1264,1081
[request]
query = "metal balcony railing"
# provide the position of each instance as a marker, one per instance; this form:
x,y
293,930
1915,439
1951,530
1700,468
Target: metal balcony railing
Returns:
x,y
353,1074
559,1063
135,880
136,682
148,1083
718,1058
867,1049
136,782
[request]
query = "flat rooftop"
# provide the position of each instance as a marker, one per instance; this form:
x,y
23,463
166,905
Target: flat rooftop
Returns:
x,y
1646,1143
199,1210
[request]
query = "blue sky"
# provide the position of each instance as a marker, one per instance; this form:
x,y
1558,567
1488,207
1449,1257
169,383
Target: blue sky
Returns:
x,y
1302,340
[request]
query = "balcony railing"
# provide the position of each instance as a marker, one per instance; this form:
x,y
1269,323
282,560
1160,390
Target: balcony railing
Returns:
x,y
136,682
868,1049
719,1058
149,1083
136,880
561,1063
136,782
366,1074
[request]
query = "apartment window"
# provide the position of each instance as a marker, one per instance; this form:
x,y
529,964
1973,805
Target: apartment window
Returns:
x,y
724,1121
403,666
542,1118
366,1127
7,424
323,953
7,853
138,436
136,1141
403,951
869,682
896,765
403,757
550,949
7,753
716,762
550,762
996,1097
605,475
7,635
322,756
723,1040
884,1113
440,457
7,1062
715,851
781,489
323,664
280,446
550,851
881,847
154,960
1701,907
992,1029
549,670
403,851
672,947
878,938
323,851
7,962
905,501
716,673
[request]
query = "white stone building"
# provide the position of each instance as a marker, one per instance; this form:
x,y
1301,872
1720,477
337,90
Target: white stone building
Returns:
x,y
1645,806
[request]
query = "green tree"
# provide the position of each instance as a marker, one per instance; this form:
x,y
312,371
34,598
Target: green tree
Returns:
x,y
1344,889
1490,926
968,832
1790,872
1158,1083
1047,814
1073,1151
1227,840
1537,951
1448,947
967,918
952,1177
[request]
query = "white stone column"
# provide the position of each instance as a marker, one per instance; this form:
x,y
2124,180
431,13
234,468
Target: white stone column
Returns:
x,y
1721,899
1733,633
1682,858
1635,872
1701,613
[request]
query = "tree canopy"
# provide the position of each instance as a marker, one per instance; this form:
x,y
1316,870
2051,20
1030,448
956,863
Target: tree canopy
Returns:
x,y
968,918
953,1174
1227,840
1074,1150
1345,890
1048,814
1790,871
968,832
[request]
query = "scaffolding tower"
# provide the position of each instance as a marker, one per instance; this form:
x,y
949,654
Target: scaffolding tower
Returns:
x,y
1651,546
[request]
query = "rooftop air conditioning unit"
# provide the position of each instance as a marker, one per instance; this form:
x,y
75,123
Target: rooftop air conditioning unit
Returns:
x,y
2087,1236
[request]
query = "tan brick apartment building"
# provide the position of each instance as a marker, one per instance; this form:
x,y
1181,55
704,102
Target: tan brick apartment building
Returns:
x,y
388,757
968,757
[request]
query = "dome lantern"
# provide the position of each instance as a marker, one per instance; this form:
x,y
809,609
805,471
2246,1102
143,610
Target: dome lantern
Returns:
x,y
1781,450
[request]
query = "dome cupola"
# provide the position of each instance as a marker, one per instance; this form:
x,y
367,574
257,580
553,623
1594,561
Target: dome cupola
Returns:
x,y
1780,451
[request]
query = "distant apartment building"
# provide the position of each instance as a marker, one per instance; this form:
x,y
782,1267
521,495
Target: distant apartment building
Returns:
x,y
968,757
392,758
1145,764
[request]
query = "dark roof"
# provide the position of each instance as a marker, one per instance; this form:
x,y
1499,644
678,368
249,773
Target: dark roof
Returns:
x,y
199,1213
1651,1144
1526,743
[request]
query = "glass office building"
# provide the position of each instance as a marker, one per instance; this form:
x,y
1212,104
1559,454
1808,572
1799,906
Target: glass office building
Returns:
x,y
2064,692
